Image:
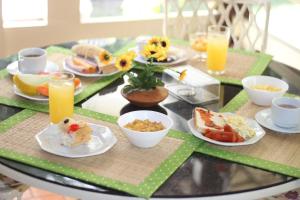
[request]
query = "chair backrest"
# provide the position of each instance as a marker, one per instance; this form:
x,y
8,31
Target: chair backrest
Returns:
x,y
247,19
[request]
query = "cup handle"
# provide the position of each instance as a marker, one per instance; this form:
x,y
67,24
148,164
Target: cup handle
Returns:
x,y
20,61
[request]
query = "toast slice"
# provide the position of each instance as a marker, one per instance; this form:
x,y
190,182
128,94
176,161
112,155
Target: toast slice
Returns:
x,y
205,119
225,127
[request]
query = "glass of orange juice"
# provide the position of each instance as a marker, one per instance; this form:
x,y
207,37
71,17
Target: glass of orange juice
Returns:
x,y
61,96
217,46
198,42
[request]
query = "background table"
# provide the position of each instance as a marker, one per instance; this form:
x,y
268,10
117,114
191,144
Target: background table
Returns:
x,y
199,176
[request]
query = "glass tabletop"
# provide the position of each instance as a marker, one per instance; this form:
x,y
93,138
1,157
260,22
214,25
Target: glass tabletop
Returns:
x,y
200,175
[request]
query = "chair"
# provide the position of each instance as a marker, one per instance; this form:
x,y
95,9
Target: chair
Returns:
x,y
247,19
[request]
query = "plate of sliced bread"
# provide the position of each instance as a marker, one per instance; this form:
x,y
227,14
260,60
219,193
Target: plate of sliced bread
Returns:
x,y
227,129
90,61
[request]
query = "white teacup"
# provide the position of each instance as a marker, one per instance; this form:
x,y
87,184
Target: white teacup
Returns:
x,y
285,112
32,60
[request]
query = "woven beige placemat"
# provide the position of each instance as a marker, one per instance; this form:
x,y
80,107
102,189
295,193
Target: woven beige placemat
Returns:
x,y
240,63
124,162
275,147
237,65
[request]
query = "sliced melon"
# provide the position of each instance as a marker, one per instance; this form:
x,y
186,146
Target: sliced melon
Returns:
x,y
28,83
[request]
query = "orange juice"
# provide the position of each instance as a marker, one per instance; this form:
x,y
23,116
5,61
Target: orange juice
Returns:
x,y
61,100
217,46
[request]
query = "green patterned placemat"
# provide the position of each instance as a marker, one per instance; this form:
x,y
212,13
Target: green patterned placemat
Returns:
x,y
7,96
181,144
274,152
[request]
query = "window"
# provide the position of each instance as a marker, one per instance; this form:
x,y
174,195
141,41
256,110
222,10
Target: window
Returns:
x,y
110,10
24,13
119,9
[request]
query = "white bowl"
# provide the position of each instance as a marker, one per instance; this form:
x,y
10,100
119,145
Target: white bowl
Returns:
x,y
145,139
263,97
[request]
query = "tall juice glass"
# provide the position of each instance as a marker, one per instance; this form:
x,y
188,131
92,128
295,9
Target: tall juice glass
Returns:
x,y
61,96
217,46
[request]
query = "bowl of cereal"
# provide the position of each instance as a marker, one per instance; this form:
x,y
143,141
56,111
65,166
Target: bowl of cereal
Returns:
x,y
263,89
145,128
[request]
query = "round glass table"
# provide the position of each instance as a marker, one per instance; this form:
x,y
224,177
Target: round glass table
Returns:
x,y
200,176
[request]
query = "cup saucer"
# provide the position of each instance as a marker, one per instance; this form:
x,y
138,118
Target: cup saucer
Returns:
x,y
263,117
13,69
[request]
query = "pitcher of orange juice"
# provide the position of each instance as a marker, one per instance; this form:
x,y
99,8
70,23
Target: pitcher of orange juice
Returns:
x,y
61,96
217,46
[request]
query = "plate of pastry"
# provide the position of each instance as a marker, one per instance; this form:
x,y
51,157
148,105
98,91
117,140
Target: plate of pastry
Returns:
x,y
90,61
226,129
76,138
35,86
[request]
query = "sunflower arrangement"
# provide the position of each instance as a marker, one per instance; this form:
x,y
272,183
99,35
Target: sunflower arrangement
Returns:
x,y
155,50
142,80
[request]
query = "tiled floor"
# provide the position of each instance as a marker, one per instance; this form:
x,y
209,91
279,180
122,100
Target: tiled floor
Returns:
x,y
37,194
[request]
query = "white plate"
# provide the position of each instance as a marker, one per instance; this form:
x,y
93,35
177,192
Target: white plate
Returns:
x,y
252,123
102,140
180,55
41,98
13,69
69,69
263,117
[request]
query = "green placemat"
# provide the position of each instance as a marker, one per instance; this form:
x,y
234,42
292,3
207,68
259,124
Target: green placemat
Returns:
x,y
182,146
8,97
274,152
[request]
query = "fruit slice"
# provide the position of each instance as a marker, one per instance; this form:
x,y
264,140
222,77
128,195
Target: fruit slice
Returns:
x,y
44,89
28,83
76,82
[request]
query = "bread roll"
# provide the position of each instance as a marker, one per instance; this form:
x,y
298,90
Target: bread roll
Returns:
x,y
87,50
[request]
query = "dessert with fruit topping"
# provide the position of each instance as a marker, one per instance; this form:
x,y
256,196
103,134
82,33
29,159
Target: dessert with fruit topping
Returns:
x,y
75,132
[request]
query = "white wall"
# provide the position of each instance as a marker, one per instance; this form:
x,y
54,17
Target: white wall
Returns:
x,y
64,25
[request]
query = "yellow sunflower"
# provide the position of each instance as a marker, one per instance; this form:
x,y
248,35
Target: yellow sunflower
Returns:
x,y
182,75
154,41
160,55
149,49
105,57
124,63
164,43
152,51
131,54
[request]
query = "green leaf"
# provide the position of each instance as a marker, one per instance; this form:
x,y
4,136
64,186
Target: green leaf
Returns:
x,y
144,79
